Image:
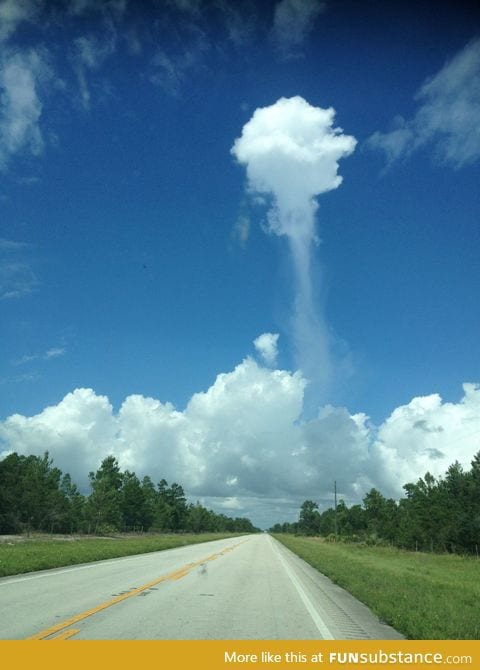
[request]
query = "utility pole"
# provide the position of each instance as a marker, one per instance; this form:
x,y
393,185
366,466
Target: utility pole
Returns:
x,y
335,490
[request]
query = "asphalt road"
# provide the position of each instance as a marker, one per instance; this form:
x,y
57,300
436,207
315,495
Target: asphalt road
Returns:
x,y
250,587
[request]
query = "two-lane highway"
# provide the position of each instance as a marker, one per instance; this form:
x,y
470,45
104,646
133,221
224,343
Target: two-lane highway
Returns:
x,y
249,587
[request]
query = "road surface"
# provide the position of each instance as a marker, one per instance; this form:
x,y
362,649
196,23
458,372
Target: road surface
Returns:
x,y
248,587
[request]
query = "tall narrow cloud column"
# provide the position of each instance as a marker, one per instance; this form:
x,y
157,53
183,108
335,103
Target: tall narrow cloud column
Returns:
x,y
291,152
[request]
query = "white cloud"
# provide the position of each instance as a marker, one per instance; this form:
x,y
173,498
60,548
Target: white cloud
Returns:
x,y
267,346
291,151
448,118
232,439
241,445
429,434
21,76
293,21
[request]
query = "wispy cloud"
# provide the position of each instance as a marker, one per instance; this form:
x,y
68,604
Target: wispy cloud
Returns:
x,y
190,7
292,23
109,8
27,377
90,53
19,379
54,352
17,277
240,22
14,12
11,245
447,119
17,280
169,68
22,74
236,20
25,359
241,231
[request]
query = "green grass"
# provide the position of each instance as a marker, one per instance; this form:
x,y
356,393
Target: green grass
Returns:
x,y
424,596
41,554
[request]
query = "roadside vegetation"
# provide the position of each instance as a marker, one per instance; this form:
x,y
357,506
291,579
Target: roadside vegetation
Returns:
x,y
436,515
422,595
35,496
415,562
22,554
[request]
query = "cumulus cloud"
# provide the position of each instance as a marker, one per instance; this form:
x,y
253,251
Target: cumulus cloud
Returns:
x,y
291,152
448,117
241,444
21,76
429,434
267,346
78,432
230,440
293,20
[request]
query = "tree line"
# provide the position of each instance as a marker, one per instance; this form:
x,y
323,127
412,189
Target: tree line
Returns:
x,y
36,496
437,514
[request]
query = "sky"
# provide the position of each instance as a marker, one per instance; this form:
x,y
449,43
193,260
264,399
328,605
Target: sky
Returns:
x,y
239,243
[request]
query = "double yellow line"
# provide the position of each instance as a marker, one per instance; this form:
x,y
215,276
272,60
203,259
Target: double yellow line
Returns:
x,y
171,576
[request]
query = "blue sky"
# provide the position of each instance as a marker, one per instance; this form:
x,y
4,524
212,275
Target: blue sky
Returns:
x,y
136,263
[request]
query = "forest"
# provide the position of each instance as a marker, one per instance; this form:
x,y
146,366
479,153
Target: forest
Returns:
x,y
36,496
436,514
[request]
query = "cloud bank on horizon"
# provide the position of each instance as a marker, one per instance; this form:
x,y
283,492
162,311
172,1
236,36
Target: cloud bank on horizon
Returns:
x,y
243,440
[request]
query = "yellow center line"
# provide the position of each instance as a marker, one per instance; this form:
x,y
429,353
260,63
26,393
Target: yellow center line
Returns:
x,y
171,576
64,635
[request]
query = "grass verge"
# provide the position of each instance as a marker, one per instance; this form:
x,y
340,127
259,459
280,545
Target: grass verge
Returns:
x,y
424,596
41,554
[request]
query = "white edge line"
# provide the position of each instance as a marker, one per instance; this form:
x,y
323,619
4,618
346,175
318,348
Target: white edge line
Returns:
x,y
317,619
